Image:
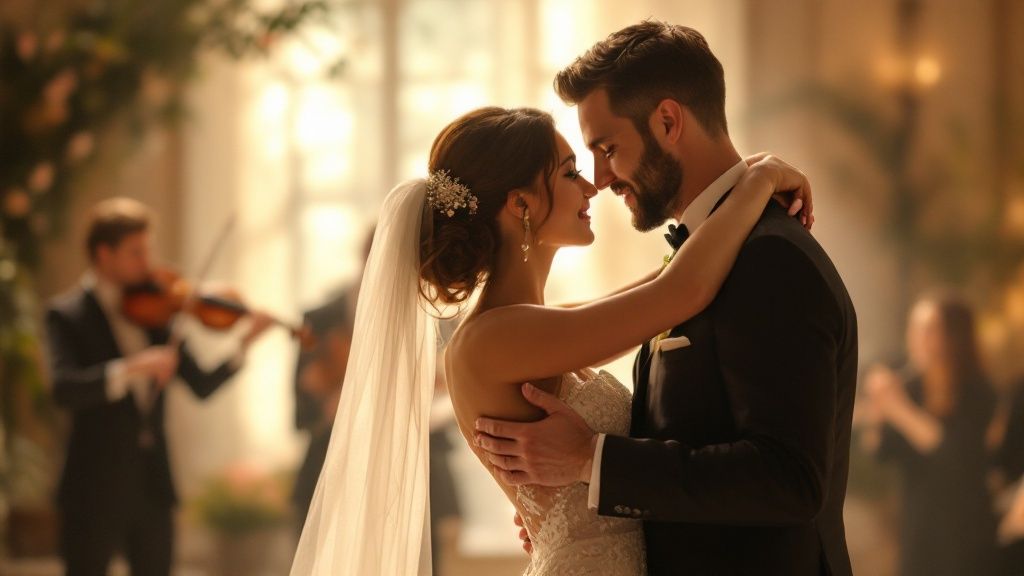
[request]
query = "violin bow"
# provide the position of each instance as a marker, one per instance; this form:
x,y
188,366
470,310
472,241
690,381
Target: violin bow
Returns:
x,y
204,271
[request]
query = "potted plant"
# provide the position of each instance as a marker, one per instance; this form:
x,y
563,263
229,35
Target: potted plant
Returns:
x,y
31,523
249,514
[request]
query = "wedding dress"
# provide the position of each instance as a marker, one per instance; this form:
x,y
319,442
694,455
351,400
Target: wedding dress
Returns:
x,y
568,538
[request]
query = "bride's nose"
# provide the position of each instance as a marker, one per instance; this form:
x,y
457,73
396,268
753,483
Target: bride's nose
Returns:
x,y
589,190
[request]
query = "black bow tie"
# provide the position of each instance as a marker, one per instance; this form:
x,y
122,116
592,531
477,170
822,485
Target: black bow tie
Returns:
x,y
677,235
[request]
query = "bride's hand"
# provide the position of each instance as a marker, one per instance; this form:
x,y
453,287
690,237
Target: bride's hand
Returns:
x,y
523,534
792,189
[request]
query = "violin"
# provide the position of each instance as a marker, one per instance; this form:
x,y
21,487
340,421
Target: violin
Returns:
x,y
156,302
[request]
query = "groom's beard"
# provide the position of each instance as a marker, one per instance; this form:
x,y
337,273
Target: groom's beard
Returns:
x,y
658,179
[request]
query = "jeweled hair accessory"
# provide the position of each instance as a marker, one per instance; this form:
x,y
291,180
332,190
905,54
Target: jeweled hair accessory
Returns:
x,y
447,195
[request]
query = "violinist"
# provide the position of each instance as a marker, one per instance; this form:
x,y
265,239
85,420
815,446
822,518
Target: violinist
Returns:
x,y
116,493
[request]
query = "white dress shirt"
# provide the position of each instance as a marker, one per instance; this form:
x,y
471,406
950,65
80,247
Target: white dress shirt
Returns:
x,y
693,217
129,337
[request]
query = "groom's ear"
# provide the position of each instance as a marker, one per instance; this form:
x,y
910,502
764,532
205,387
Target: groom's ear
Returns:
x,y
668,121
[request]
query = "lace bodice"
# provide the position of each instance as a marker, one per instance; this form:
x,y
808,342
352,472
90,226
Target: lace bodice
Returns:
x,y
569,538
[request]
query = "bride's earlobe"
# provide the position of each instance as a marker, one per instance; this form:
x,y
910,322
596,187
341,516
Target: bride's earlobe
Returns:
x,y
525,246
518,206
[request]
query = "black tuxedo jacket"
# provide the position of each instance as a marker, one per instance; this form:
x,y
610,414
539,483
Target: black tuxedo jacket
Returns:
x,y
106,469
309,408
739,448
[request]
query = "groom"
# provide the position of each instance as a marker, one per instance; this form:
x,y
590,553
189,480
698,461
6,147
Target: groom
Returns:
x,y
739,449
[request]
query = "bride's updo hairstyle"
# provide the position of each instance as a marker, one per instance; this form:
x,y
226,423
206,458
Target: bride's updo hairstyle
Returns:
x,y
491,151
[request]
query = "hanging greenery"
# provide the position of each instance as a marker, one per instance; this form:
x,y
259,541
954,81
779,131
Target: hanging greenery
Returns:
x,y
63,80
67,70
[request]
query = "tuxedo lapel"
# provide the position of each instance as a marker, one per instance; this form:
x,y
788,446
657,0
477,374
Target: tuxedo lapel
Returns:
x,y
641,369
96,319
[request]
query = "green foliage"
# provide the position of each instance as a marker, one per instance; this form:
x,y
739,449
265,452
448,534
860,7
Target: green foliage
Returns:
x,y
21,381
63,80
242,501
25,475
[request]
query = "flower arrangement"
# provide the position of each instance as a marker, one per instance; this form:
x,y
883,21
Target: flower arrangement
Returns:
x,y
243,500
78,65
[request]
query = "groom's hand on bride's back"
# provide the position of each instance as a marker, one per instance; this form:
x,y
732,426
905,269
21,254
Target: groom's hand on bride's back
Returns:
x,y
555,451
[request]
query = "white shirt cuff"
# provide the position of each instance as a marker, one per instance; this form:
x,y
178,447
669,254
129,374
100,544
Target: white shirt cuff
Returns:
x,y
594,494
118,381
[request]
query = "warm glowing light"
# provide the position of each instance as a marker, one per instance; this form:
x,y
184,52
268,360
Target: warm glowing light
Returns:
x,y
324,120
1014,303
896,72
927,71
993,332
1014,215
465,97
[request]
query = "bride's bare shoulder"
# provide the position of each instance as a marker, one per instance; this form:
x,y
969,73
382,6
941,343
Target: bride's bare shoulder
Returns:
x,y
482,334
484,330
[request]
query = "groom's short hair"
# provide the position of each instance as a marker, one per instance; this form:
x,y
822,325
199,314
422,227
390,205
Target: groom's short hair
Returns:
x,y
645,63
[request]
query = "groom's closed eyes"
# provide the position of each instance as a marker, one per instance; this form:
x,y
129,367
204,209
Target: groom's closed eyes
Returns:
x,y
601,146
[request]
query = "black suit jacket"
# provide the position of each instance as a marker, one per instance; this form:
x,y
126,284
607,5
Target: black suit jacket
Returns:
x,y
333,315
309,408
740,441
106,469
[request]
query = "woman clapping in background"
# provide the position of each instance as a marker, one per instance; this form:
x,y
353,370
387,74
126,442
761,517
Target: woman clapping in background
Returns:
x,y
932,424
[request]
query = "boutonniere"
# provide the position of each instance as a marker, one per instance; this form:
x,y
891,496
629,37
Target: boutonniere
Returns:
x,y
665,262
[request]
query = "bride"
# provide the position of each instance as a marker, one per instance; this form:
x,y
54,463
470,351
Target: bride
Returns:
x,y
502,196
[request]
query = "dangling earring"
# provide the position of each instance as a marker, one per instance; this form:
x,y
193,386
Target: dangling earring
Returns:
x,y
525,246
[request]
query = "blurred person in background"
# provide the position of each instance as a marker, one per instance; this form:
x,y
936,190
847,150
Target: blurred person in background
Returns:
x,y
932,424
116,493
445,508
319,374
1010,467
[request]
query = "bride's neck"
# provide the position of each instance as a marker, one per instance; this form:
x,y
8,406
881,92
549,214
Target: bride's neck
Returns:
x,y
516,282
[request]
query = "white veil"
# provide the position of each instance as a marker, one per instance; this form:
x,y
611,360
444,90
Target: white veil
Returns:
x,y
369,511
